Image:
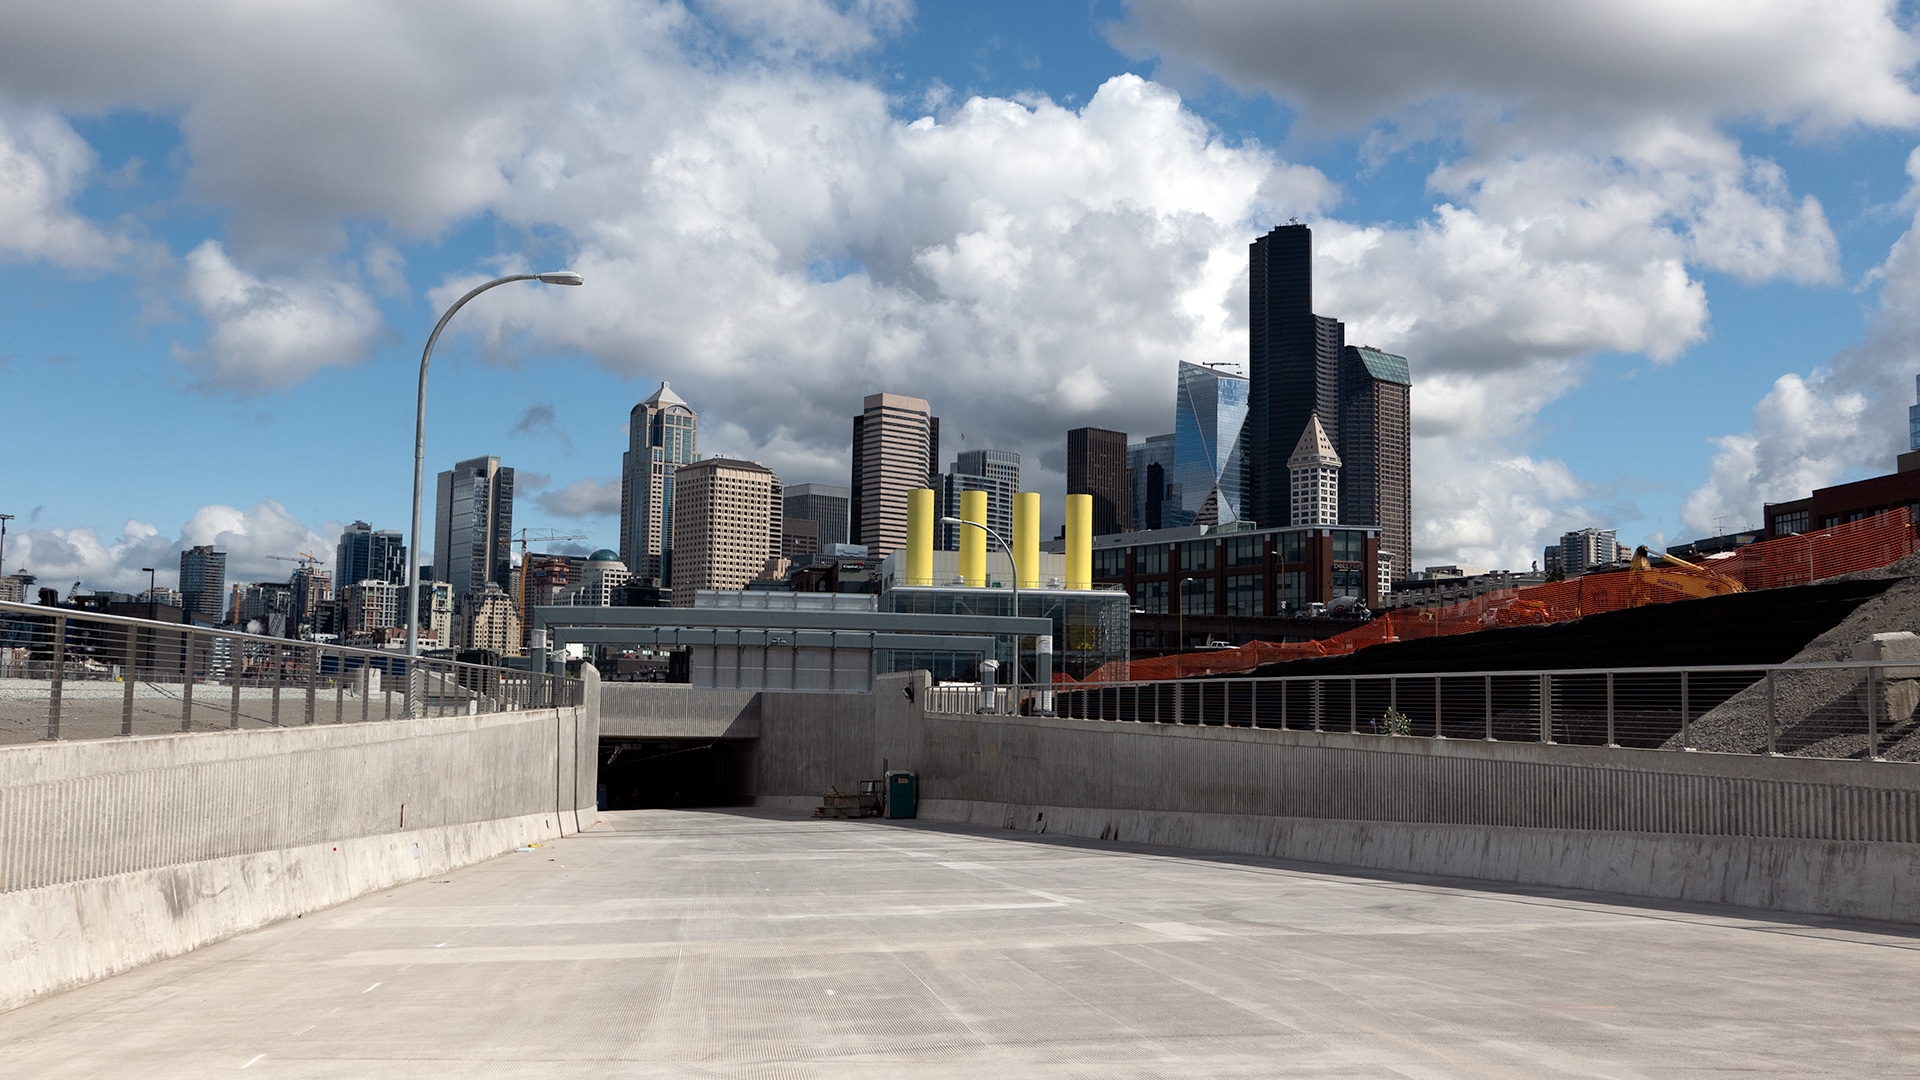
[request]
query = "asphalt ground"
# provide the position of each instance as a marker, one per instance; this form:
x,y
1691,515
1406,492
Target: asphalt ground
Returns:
x,y
751,944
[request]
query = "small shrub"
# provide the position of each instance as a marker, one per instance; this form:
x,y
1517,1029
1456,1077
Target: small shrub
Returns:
x,y
1394,723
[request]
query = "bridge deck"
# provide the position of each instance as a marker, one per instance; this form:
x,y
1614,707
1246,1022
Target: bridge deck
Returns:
x,y
740,944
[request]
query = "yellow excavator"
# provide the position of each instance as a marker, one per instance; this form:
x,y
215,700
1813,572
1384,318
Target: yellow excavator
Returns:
x,y
1689,579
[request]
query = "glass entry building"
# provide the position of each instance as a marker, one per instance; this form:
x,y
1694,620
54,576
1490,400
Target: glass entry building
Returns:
x,y
1090,628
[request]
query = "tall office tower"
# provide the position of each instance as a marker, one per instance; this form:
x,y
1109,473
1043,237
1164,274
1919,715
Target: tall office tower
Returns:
x,y
203,582
725,525
896,448
1293,366
368,554
473,526
312,589
1314,478
1913,419
996,472
823,504
1097,466
1376,475
1150,463
1208,482
662,435
1581,551
370,605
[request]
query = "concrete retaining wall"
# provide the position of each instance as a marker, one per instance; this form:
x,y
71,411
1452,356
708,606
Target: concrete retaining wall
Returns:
x,y
1830,837
117,852
678,711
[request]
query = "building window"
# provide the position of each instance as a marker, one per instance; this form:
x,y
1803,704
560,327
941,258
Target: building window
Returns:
x,y
1196,555
1349,583
1292,547
1110,563
1196,597
1829,521
1243,551
1151,559
1792,524
1293,590
1349,545
1245,593
1151,597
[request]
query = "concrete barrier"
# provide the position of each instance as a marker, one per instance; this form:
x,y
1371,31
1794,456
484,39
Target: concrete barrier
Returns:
x,y
1826,837
117,852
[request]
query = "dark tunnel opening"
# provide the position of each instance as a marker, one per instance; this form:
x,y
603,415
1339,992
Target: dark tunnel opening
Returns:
x,y
655,774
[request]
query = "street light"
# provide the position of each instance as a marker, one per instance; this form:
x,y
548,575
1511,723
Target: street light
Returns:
x,y
1008,548
1180,602
4,518
150,572
556,277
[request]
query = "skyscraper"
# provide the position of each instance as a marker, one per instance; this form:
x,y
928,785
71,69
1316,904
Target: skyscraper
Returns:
x,y
1314,478
473,526
662,435
996,472
725,525
1293,366
203,582
1376,480
896,448
1097,466
1208,480
1150,463
823,504
368,554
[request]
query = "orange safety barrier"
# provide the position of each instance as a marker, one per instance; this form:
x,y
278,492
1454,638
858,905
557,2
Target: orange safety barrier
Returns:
x,y
1771,564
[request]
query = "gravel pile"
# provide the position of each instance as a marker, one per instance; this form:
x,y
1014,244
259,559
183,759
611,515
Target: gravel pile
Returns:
x,y
1823,714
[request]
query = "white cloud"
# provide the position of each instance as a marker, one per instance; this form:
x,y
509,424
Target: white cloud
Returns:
x,y
60,557
269,334
43,163
583,498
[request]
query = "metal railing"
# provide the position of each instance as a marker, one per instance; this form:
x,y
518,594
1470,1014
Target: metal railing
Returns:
x,y
1851,709
67,674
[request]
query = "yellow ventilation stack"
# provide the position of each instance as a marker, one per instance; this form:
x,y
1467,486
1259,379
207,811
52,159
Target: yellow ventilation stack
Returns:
x,y
1079,541
1026,537
920,536
973,542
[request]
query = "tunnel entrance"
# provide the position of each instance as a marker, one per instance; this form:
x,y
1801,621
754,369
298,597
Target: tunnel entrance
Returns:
x,y
655,774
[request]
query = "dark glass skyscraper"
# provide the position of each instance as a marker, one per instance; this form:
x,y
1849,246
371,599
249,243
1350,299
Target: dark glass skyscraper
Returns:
x,y
368,554
1293,366
1097,466
473,526
1375,422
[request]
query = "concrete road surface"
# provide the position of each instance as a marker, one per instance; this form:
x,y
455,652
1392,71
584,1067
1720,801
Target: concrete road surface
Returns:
x,y
737,944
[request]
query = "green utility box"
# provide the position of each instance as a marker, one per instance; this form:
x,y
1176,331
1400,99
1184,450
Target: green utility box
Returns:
x,y
903,794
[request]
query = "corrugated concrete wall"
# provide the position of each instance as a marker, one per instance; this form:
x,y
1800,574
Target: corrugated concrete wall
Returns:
x,y
1832,837
117,852
677,711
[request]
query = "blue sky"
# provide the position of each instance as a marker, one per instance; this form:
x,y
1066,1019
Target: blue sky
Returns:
x,y
1647,261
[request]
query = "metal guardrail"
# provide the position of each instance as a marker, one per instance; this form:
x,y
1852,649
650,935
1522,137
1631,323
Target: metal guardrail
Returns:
x,y
90,675
1849,709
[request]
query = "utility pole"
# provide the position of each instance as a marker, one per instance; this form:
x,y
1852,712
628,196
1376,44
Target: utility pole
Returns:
x,y
4,518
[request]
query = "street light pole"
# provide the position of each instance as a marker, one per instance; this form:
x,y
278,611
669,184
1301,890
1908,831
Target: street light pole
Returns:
x,y
4,518
1180,601
151,574
1008,548
557,277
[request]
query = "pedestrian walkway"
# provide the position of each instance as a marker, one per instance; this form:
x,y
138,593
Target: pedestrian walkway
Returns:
x,y
745,944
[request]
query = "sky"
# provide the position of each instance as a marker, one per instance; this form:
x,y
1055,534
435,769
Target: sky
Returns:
x,y
1651,262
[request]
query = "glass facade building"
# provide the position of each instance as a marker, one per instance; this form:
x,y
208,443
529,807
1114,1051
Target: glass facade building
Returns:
x,y
473,526
1150,464
1090,629
663,433
1207,484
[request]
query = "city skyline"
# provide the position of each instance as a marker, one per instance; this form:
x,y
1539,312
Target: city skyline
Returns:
x,y
1661,341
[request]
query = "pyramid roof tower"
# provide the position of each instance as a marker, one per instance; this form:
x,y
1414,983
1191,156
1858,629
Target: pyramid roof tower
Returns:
x,y
664,397
1314,448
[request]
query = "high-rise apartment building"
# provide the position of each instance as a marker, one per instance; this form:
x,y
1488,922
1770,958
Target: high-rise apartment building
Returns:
x,y
602,580
473,526
1151,464
1376,478
996,472
487,620
365,553
896,448
1097,466
1583,550
373,604
726,523
312,591
663,433
203,582
1208,482
1314,478
824,504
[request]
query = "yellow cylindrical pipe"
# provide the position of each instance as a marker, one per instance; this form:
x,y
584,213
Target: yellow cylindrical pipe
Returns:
x,y
920,536
973,542
1079,541
1026,537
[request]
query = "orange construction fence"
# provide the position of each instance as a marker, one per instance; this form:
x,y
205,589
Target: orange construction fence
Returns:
x,y
1771,564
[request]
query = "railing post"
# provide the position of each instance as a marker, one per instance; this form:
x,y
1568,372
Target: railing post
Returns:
x,y
1610,741
313,681
1876,683
1489,695
1353,705
59,675
1284,687
339,686
1770,713
1179,699
1686,709
274,654
1439,729
186,681
128,678
1546,707
235,666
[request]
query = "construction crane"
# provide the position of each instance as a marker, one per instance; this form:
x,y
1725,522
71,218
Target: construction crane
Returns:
x,y
306,559
537,536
